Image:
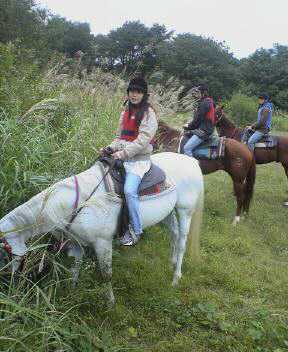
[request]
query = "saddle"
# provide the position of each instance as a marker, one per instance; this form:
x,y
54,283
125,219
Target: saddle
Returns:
x,y
212,149
267,141
152,182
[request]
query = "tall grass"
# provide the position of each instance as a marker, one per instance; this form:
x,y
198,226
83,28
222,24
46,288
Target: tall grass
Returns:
x,y
53,135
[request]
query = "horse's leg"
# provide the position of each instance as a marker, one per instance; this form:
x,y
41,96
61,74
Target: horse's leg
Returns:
x,y
173,226
285,166
239,189
103,250
184,226
75,251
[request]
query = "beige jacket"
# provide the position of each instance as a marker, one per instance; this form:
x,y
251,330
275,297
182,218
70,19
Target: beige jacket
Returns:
x,y
140,148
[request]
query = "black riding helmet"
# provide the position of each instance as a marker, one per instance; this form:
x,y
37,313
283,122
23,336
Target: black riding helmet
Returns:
x,y
264,96
203,88
138,84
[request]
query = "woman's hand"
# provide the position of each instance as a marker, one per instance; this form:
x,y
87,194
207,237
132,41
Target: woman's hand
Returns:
x,y
106,151
117,156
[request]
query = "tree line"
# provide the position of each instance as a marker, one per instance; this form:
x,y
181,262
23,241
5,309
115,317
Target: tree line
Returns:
x,y
152,51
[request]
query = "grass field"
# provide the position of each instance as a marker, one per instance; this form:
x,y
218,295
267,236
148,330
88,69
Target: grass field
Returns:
x,y
235,299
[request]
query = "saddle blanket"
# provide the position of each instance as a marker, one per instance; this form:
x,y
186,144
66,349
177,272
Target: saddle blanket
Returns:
x,y
267,141
154,182
212,149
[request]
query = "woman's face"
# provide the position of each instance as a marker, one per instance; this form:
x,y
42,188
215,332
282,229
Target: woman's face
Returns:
x,y
261,100
135,96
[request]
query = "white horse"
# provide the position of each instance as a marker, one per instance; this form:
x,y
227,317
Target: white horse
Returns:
x,y
97,223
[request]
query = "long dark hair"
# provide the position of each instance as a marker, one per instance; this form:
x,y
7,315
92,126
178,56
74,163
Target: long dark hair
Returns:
x,y
140,108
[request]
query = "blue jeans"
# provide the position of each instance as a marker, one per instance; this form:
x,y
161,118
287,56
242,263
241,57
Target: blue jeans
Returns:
x,y
131,186
191,144
256,136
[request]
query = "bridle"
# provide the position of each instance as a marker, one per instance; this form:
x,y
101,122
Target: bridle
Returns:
x,y
219,119
6,246
6,254
77,210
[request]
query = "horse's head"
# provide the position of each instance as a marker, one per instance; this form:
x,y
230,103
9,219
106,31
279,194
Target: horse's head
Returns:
x,y
219,115
167,138
5,253
224,126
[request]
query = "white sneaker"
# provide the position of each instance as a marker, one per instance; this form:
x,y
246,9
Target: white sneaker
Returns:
x,y
130,238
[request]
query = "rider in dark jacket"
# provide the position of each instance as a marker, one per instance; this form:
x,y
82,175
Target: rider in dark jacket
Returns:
x,y
203,124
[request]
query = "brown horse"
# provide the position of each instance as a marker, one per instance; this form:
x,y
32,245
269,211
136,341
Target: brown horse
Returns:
x,y
262,155
238,162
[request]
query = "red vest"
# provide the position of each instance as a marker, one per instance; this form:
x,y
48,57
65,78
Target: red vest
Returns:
x,y
211,113
130,126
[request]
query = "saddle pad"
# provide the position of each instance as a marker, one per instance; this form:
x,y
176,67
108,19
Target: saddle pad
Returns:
x,y
213,149
267,141
153,182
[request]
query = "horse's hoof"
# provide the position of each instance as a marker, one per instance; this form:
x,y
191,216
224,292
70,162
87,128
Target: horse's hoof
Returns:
x,y
236,220
176,280
110,300
245,216
110,304
173,263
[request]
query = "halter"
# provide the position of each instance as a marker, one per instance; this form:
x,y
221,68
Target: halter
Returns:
x,y
6,255
6,246
76,211
235,128
219,119
233,134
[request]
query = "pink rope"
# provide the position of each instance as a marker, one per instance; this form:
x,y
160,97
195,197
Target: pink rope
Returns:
x,y
77,194
75,206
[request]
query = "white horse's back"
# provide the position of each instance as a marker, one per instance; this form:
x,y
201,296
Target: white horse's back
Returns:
x,y
185,173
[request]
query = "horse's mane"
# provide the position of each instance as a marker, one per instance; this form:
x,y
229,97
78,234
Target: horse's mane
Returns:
x,y
164,128
167,137
225,121
226,127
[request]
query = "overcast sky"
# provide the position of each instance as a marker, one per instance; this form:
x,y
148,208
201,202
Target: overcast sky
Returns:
x,y
245,25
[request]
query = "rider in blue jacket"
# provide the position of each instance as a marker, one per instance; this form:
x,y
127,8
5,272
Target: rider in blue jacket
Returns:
x,y
263,124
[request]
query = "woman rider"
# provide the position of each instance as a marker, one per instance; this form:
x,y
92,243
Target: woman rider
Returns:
x,y
137,128
203,124
263,124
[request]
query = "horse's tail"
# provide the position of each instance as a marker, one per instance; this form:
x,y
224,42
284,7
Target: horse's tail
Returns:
x,y
195,226
250,181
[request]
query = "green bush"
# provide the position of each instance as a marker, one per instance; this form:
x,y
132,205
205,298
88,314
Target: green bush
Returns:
x,y
242,109
280,123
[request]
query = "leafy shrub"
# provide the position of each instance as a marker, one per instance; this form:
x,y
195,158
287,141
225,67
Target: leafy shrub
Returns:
x,y
280,123
242,109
